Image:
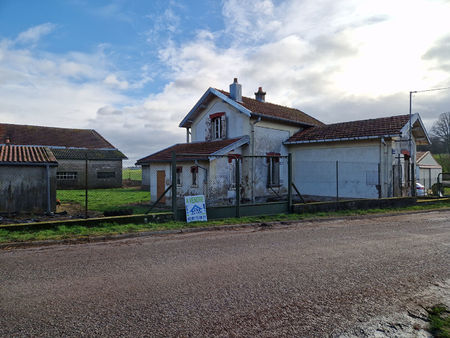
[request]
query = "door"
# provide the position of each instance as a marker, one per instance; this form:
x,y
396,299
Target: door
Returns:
x,y
160,184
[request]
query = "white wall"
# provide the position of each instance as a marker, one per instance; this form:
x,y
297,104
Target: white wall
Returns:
x,y
186,188
237,123
314,168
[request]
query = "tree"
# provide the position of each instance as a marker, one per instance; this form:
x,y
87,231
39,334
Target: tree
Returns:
x,y
441,130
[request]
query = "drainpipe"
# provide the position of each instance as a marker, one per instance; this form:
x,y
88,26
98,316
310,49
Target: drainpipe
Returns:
x,y
49,207
252,127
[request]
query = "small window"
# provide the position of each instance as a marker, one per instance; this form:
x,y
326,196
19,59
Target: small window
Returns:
x,y
179,173
106,174
194,172
66,175
273,164
217,127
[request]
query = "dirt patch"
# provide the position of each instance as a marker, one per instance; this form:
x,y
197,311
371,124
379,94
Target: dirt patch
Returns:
x,y
411,322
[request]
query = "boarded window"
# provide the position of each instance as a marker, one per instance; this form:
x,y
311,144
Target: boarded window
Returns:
x,y
273,166
179,173
194,172
106,174
66,175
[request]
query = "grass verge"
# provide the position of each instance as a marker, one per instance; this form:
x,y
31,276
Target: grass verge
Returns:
x,y
439,317
77,231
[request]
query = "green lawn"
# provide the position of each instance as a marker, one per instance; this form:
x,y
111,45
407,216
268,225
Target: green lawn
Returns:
x,y
105,199
132,174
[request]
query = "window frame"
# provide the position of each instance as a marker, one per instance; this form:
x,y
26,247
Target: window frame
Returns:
x,y
273,170
66,175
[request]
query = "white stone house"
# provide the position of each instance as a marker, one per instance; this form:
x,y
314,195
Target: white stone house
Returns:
x,y
373,154
428,169
229,125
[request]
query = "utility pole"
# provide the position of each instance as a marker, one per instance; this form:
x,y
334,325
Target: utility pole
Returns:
x,y
413,173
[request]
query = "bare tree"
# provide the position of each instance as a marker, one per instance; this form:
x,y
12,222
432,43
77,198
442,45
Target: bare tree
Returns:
x,y
441,130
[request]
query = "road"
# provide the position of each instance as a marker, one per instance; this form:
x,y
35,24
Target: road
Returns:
x,y
303,279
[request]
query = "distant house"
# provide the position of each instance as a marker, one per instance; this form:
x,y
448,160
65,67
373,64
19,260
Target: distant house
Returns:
x,y
428,169
71,148
361,159
27,179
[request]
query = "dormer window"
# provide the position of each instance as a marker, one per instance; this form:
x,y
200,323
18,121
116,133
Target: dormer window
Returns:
x,y
217,126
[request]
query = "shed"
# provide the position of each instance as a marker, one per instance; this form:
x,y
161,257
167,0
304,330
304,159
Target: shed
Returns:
x,y
428,169
27,179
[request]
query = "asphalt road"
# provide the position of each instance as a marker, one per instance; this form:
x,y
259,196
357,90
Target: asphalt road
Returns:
x,y
304,279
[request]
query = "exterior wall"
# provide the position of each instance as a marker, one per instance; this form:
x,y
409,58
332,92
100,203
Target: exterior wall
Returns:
x,y
186,188
94,166
23,189
314,168
428,170
236,122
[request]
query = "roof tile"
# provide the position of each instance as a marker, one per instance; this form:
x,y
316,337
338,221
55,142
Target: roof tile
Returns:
x,y
354,129
26,154
50,136
272,110
200,150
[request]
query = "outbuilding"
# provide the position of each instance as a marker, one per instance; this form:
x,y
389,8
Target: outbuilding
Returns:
x,y
428,169
27,179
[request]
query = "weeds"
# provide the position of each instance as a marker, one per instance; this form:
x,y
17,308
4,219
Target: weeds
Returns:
x,y
439,317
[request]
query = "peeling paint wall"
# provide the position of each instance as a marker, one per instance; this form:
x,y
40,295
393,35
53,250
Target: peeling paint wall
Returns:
x,y
236,122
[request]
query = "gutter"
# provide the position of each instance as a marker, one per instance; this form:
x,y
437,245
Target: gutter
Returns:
x,y
342,139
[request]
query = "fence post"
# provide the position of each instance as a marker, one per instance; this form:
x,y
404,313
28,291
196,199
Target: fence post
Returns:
x,y
337,180
86,187
174,185
238,188
289,182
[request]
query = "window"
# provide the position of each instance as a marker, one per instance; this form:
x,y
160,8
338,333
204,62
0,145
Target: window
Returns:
x,y
179,172
106,174
194,172
66,175
217,128
273,165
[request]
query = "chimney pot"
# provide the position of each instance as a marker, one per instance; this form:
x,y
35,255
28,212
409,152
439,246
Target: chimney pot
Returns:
x,y
260,95
236,90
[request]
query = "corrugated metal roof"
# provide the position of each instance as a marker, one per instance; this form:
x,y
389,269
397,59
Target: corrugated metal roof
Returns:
x,y
26,154
92,154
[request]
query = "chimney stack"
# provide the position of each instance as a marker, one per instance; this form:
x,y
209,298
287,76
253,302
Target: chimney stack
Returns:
x,y
236,90
260,95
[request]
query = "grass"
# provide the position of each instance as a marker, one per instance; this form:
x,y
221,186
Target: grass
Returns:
x,y
439,317
132,174
105,199
77,231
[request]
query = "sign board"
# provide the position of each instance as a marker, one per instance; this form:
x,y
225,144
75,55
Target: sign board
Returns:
x,y
195,208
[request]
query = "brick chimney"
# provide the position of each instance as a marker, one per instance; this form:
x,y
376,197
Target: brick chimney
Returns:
x,y
260,95
236,90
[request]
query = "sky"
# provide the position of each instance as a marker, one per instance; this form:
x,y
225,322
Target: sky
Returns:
x,y
133,69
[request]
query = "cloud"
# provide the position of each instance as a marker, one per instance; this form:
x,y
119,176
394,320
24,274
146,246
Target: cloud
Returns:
x,y
34,34
112,80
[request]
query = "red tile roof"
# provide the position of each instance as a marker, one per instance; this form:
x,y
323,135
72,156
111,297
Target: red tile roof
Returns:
x,y
420,155
49,136
276,111
355,129
26,154
200,149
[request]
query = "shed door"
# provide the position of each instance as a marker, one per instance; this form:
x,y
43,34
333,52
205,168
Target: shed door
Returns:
x,y
161,184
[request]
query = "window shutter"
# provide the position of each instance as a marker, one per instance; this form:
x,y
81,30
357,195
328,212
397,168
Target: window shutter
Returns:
x,y
223,132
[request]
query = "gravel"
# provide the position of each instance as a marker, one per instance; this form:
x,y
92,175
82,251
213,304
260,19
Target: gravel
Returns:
x,y
337,278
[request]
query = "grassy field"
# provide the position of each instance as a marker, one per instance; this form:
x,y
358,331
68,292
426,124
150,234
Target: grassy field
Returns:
x,y
105,199
77,231
132,174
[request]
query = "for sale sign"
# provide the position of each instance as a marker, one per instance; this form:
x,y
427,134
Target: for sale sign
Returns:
x,y
195,208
